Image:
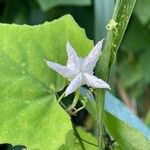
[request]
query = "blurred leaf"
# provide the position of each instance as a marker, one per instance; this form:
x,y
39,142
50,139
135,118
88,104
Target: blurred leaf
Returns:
x,y
142,10
136,37
144,61
133,61
30,114
103,13
12,10
130,73
147,120
136,91
72,143
47,4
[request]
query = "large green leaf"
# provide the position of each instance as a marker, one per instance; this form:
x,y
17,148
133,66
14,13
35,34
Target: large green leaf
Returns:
x,y
47,4
29,112
48,41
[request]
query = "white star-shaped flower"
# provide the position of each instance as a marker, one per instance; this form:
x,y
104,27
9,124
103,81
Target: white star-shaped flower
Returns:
x,y
79,71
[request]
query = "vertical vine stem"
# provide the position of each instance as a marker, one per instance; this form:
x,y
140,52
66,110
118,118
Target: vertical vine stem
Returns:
x,y
78,137
100,114
121,15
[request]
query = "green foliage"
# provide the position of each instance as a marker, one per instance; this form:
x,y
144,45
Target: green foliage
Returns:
x,y
130,72
31,119
147,120
136,43
116,108
144,65
132,63
89,141
125,135
142,10
136,38
47,4
29,111
123,125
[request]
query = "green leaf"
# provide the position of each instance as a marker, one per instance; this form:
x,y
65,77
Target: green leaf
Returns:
x,y
142,10
89,141
130,73
32,120
29,49
147,119
144,60
47,4
30,114
116,108
132,41
126,136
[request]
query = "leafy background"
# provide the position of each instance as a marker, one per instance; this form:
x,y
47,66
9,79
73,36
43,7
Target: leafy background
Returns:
x,y
131,72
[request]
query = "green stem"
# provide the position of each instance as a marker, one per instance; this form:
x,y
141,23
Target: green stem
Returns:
x,y
61,97
78,137
89,142
121,15
100,113
76,98
103,12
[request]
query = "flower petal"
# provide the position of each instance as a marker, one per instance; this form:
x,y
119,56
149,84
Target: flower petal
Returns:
x,y
75,83
63,70
73,59
92,58
93,81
